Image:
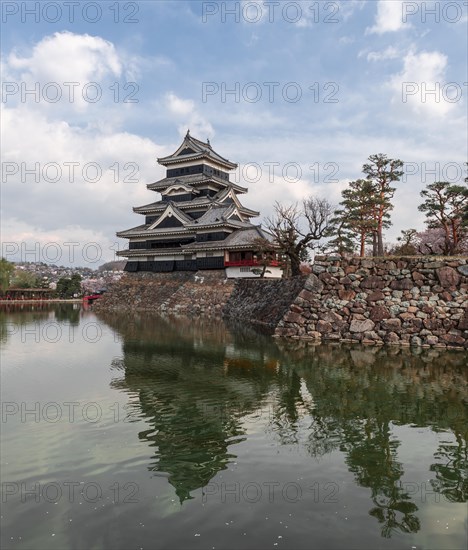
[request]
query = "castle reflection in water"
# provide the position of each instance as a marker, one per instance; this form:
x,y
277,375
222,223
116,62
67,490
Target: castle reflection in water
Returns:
x,y
199,385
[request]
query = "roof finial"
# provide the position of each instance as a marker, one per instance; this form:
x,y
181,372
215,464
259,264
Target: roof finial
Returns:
x,y
208,141
188,133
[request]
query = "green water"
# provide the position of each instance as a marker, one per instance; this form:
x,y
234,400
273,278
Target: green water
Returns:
x,y
124,432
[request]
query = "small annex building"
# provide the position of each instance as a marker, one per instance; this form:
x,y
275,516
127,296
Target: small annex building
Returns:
x,y
199,223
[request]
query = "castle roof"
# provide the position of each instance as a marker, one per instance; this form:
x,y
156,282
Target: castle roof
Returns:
x,y
199,211
216,214
241,238
199,202
194,179
214,219
238,240
194,149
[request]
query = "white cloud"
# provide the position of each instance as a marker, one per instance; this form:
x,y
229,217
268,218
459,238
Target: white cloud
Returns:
x,y
361,123
66,57
421,83
347,40
186,111
71,245
389,17
75,68
388,53
89,171
88,202
178,106
313,13
347,8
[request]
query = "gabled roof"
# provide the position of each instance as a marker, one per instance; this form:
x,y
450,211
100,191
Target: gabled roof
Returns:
x,y
161,205
214,214
241,238
229,192
200,202
133,231
246,236
193,149
171,210
219,215
194,179
143,231
180,185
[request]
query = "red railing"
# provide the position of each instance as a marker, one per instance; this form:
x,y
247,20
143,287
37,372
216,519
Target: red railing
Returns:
x,y
242,263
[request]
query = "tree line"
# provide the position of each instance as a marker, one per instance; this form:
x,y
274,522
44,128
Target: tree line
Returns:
x,y
357,224
13,277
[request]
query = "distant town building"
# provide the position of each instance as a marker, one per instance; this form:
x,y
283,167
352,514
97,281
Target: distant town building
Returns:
x,y
199,223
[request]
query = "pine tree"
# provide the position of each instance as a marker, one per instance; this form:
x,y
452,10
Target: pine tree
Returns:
x,y
360,206
381,172
67,287
408,243
343,238
445,207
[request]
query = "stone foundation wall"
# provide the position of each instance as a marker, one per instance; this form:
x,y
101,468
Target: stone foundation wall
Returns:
x,y
203,292
262,301
419,301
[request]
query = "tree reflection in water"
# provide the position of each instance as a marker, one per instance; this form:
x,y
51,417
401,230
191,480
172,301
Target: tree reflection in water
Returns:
x,y
451,470
196,381
361,393
15,317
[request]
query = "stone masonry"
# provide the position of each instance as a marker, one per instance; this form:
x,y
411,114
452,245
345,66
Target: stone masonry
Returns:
x,y
408,301
185,293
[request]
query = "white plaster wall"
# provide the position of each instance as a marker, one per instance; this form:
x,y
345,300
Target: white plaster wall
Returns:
x,y
236,273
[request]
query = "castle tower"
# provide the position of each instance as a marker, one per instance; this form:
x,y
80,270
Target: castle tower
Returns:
x,y
199,223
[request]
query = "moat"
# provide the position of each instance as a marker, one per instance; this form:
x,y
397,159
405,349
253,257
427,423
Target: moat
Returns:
x,y
138,431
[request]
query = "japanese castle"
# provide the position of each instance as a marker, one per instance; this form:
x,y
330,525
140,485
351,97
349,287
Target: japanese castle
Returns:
x,y
199,223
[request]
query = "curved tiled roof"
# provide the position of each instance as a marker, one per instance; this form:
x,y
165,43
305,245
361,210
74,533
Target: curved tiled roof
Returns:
x,y
194,203
239,238
194,179
200,149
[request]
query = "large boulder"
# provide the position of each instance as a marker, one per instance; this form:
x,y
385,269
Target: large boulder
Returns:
x,y
373,282
313,284
392,325
401,284
379,313
448,277
358,325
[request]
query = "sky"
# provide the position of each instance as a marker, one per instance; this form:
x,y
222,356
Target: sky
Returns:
x,y
299,94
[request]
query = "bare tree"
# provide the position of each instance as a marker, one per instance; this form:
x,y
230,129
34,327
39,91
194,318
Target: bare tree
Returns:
x,y
296,227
